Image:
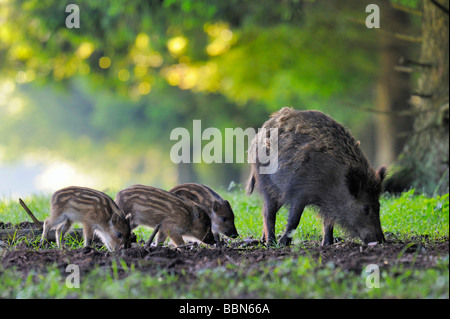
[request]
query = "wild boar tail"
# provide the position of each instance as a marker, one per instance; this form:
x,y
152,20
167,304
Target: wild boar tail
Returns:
x,y
250,184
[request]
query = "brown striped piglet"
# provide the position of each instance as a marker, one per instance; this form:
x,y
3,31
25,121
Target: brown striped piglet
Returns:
x,y
217,208
150,206
96,211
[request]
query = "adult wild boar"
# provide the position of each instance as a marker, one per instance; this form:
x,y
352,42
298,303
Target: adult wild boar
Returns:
x,y
319,163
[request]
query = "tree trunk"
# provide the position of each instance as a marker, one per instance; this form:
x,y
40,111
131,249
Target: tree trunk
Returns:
x,y
393,88
424,162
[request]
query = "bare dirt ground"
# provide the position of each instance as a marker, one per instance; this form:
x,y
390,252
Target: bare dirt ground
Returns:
x,y
347,255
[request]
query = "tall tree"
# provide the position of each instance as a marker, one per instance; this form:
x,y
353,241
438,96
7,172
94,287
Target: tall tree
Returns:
x,y
424,162
393,87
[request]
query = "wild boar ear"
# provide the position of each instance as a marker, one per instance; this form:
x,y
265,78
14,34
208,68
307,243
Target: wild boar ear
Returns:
x,y
115,219
381,173
216,206
353,179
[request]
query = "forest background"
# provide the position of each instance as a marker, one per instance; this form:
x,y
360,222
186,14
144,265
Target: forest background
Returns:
x,y
96,104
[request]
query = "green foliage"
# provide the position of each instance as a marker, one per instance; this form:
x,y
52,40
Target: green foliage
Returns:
x,y
110,92
408,3
416,215
12,212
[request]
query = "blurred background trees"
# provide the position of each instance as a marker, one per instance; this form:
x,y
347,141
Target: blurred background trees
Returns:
x,y
106,96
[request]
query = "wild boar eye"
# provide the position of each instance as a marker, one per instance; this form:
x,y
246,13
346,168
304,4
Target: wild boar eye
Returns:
x,y
223,219
119,235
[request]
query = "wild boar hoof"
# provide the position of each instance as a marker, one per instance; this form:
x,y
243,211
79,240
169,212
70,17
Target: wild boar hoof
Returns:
x,y
271,242
285,240
327,242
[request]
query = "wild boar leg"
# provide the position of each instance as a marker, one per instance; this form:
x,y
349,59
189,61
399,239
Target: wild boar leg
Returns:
x,y
161,238
45,230
49,223
327,232
270,209
88,233
295,213
177,239
61,231
58,236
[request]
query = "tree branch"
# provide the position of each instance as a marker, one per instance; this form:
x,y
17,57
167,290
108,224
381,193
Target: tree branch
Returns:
x,y
376,111
149,242
400,36
35,220
406,9
440,6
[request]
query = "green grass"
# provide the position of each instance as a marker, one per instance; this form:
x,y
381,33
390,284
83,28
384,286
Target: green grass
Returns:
x,y
404,218
290,278
11,211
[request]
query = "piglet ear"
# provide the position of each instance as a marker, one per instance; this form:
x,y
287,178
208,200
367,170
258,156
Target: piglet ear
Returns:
x,y
216,206
115,219
381,173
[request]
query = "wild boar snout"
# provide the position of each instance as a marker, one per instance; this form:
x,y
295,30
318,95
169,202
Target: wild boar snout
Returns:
x,y
370,238
224,226
369,229
120,231
232,234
